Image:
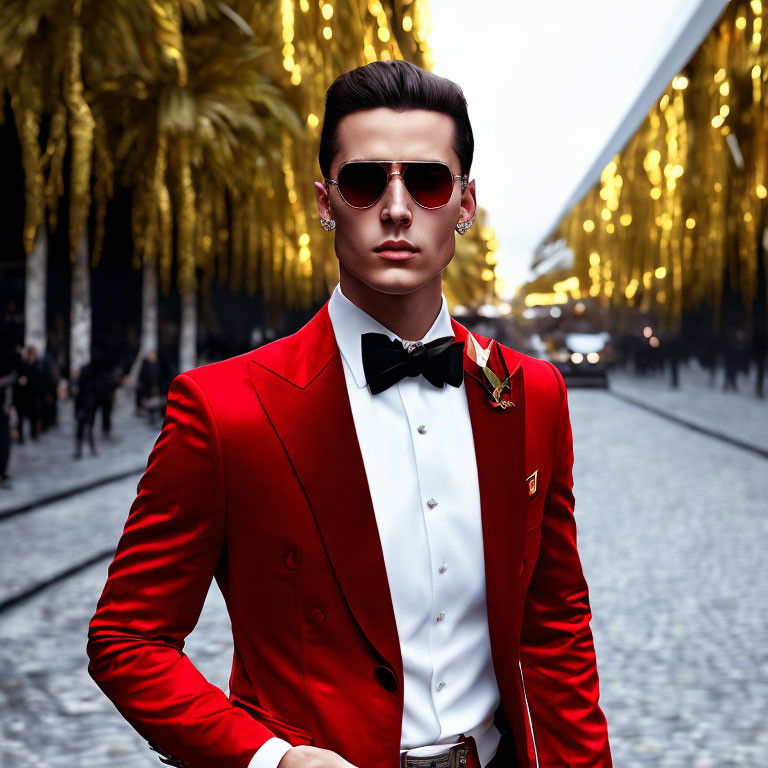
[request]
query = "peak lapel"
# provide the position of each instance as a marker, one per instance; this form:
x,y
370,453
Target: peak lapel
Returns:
x,y
302,389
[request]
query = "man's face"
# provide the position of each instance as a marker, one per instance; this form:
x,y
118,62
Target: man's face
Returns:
x,y
384,134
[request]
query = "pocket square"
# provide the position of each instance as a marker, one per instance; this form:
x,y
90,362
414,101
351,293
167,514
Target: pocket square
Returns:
x,y
532,481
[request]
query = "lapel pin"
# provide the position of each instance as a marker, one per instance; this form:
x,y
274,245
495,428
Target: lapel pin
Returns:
x,y
532,482
496,383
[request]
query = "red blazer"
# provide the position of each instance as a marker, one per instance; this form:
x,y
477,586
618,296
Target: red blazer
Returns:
x,y
257,480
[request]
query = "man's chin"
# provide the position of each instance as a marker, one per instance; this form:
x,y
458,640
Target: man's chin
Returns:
x,y
397,283
392,278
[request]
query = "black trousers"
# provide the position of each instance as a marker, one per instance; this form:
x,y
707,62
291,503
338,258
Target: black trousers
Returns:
x,y
506,754
5,440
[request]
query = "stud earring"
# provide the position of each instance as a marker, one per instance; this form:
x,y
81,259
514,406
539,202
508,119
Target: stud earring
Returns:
x,y
327,224
463,226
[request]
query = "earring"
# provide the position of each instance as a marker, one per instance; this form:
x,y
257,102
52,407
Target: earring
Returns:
x,y
463,226
327,224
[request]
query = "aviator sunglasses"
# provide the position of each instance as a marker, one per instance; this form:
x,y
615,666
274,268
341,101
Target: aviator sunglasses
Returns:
x,y
361,183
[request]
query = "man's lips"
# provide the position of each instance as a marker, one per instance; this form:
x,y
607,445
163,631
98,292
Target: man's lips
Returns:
x,y
396,255
396,250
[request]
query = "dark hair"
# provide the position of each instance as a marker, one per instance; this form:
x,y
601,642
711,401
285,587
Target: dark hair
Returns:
x,y
398,85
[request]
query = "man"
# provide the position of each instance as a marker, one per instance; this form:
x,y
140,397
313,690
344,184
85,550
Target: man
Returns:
x,y
394,537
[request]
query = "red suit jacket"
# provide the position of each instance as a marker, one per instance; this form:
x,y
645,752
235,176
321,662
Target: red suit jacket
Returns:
x,y
257,480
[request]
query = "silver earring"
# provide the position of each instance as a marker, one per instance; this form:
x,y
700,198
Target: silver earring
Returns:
x,y
327,224
463,226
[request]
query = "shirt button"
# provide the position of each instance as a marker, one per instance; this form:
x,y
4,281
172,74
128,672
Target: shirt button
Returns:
x,y
443,568
431,503
440,685
421,429
441,616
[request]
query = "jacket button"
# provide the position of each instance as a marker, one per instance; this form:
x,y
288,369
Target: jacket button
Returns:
x,y
386,677
293,558
316,616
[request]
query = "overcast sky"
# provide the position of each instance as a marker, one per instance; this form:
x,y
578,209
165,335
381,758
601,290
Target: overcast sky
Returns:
x,y
547,83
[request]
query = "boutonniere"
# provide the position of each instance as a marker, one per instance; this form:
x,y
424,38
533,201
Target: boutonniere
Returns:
x,y
493,373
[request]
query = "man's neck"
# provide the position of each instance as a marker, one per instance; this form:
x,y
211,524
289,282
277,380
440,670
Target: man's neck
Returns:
x,y
409,315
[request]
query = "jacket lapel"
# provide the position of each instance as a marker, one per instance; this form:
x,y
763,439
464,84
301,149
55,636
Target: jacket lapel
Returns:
x,y
301,386
300,383
499,438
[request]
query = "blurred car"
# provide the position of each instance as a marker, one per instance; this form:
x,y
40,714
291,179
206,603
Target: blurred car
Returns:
x,y
583,359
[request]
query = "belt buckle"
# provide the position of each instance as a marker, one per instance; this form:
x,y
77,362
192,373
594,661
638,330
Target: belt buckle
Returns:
x,y
458,756
422,761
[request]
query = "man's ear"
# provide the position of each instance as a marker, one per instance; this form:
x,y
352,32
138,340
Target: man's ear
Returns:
x,y
323,200
468,202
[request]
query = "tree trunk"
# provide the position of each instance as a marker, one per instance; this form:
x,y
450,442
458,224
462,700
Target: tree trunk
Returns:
x,y
149,319
80,309
149,308
188,335
35,293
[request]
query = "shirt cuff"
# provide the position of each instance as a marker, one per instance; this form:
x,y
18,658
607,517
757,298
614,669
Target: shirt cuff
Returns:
x,y
269,754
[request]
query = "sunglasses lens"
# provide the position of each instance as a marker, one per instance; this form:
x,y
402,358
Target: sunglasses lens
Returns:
x,y
361,184
430,184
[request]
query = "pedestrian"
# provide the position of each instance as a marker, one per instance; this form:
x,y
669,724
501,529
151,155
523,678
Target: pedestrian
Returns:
x,y
707,354
105,383
22,395
85,408
5,430
673,350
384,499
148,392
50,380
735,359
759,356
8,375
37,386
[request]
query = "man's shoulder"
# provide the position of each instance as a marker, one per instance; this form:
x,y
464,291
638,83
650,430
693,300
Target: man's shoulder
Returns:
x,y
224,387
544,386
232,370
297,356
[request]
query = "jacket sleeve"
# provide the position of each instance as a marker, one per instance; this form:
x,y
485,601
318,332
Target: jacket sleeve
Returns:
x,y
557,655
157,583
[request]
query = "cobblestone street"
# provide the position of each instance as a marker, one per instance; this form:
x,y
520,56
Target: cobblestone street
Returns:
x,y
672,531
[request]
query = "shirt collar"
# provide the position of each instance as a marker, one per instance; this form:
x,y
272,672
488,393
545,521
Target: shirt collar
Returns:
x,y
350,323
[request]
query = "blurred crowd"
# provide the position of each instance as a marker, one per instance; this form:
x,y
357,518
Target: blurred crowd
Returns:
x,y
736,356
34,387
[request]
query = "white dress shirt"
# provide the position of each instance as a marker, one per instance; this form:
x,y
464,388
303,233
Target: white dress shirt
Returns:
x,y
419,457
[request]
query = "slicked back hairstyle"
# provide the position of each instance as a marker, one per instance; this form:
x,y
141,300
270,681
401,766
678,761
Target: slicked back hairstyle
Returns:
x,y
398,85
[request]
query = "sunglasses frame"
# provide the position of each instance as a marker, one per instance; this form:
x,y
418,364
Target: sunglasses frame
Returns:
x,y
390,173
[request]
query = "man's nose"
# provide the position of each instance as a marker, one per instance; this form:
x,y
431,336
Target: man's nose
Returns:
x,y
397,201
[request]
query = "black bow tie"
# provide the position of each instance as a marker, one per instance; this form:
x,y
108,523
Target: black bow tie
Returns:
x,y
386,362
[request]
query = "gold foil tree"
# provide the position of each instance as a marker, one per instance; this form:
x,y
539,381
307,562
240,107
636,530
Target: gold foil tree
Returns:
x,y
678,219
210,112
